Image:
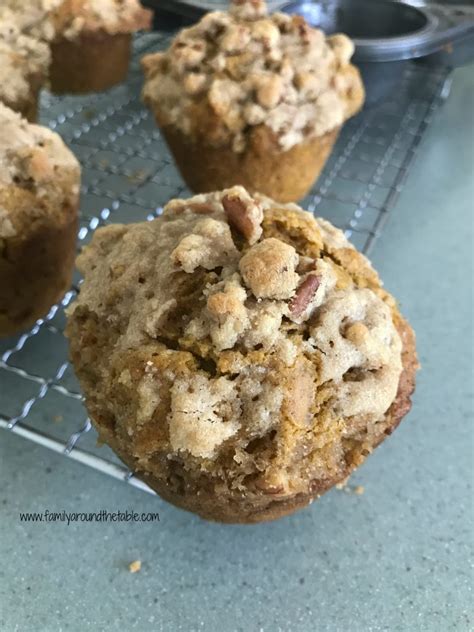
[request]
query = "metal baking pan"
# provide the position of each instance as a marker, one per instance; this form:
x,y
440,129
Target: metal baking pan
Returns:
x,y
389,34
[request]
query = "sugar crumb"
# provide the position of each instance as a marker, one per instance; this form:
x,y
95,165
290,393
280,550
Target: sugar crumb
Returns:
x,y
135,567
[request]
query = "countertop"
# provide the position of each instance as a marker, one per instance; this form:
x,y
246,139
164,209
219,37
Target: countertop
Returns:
x,y
397,557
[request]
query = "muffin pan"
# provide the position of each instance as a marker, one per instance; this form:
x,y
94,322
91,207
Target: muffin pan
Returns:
x,y
128,175
389,34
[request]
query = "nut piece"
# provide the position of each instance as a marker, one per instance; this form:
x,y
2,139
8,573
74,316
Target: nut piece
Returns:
x,y
243,214
304,295
268,269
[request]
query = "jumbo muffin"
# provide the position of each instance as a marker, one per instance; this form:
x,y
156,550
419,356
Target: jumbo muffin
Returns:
x,y
24,63
252,99
92,43
39,190
239,355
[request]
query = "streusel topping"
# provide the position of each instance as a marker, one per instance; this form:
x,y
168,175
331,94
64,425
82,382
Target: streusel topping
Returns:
x,y
73,17
33,17
272,318
22,59
33,156
249,68
47,19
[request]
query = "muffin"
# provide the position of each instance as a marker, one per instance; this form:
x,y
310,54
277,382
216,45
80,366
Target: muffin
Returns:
x,y
39,190
238,354
24,63
92,43
252,99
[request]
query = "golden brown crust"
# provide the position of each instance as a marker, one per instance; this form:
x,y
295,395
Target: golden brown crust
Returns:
x,y
93,62
286,176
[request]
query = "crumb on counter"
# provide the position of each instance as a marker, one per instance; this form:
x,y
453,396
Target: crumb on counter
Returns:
x,y
135,567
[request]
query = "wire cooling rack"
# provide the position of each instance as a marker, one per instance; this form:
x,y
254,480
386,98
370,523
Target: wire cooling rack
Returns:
x,y
128,175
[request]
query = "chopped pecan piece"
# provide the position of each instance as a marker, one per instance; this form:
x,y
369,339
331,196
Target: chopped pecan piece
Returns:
x,y
304,295
244,215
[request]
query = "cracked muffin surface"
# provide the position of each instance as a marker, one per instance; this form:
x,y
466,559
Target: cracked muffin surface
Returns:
x,y
238,354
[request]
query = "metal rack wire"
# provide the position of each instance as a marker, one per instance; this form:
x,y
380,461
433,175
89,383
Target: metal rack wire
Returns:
x,y
128,175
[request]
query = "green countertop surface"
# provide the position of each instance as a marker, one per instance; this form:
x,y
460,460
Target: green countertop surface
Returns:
x,y
398,557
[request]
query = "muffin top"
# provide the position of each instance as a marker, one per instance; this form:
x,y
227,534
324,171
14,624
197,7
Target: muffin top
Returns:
x,y
73,17
36,168
47,19
23,60
244,68
229,319
32,17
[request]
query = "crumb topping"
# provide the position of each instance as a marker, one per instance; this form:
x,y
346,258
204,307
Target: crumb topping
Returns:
x,y
32,18
269,269
245,68
248,327
49,19
23,60
35,159
72,17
